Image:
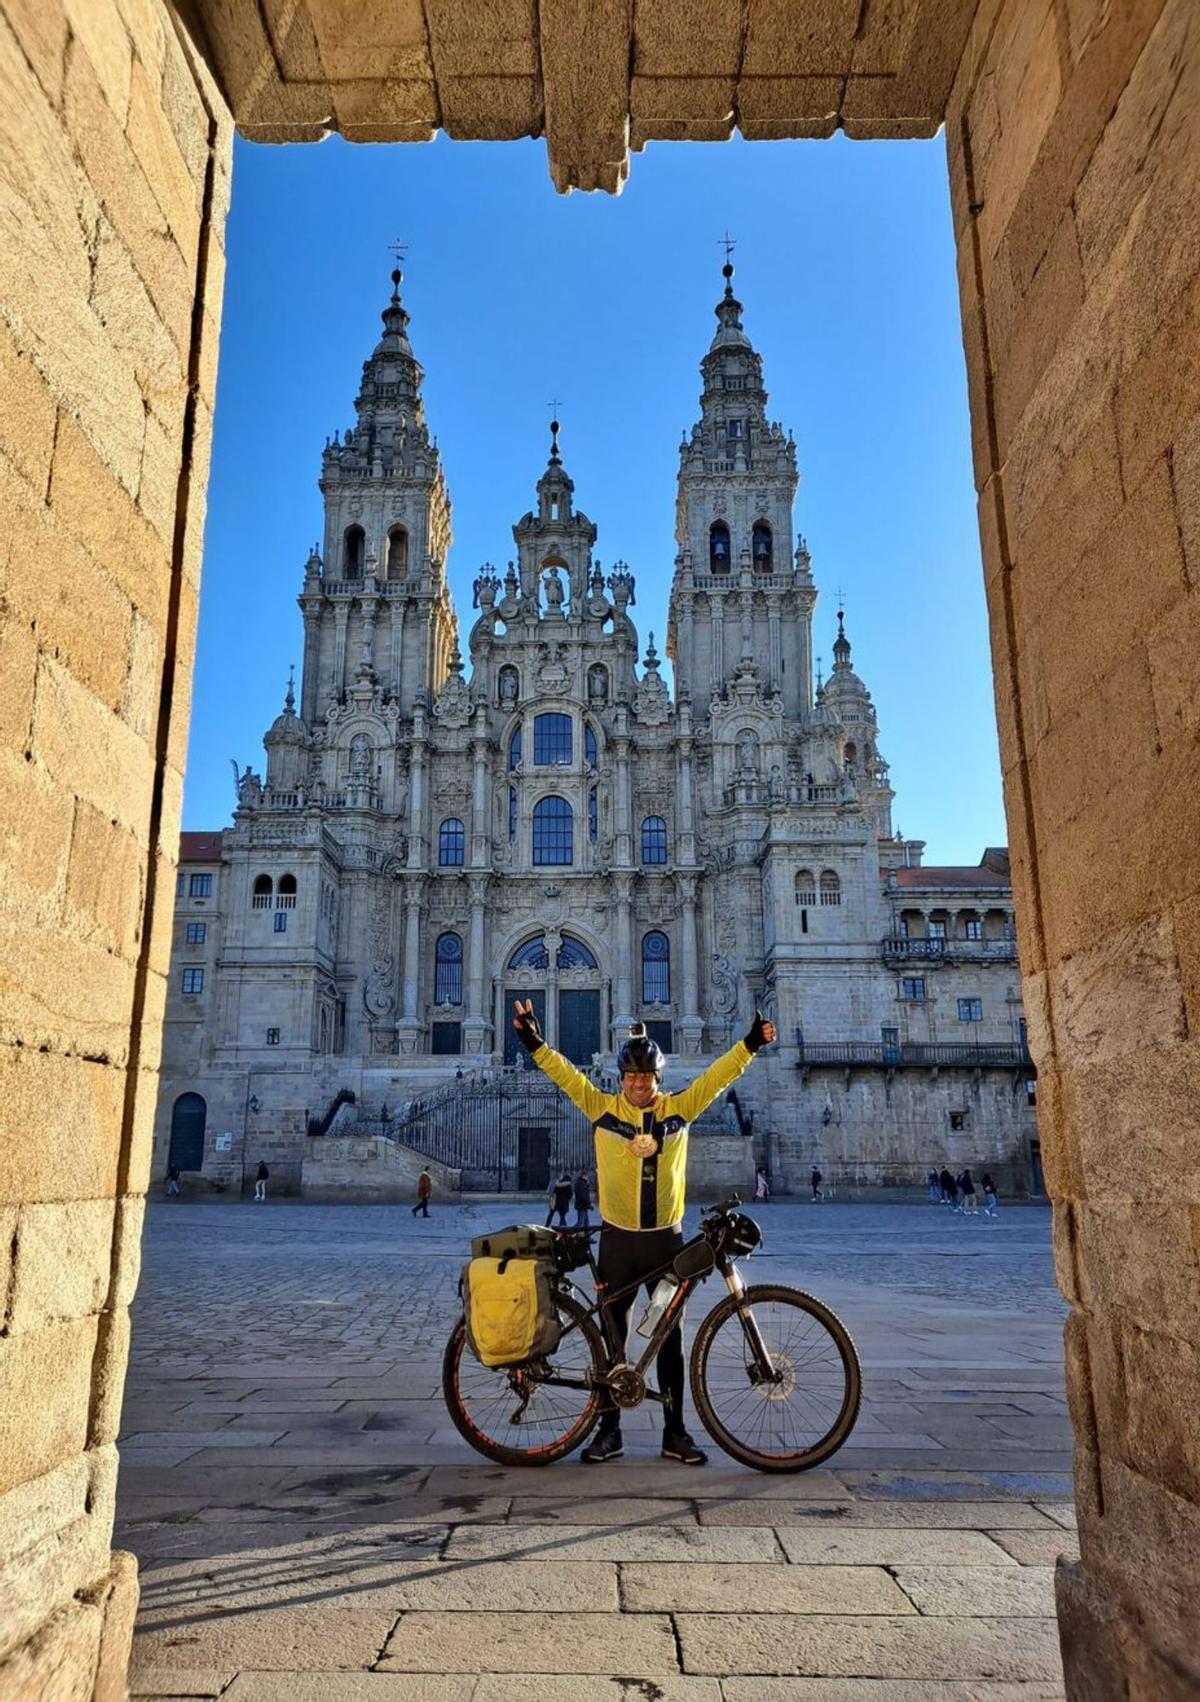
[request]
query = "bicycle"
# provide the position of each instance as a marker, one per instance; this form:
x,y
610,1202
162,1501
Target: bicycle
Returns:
x,y
774,1374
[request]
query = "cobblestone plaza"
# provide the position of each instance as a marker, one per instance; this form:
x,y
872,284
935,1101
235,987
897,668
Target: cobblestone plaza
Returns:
x,y
309,1525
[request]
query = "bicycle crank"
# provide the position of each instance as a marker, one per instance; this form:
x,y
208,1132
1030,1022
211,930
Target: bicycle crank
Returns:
x,y
627,1387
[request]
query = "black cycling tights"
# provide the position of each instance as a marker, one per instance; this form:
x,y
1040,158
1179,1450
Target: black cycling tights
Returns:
x,y
625,1256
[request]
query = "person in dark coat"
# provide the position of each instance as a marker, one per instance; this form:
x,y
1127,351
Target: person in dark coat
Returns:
x,y
817,1179
424,1194
949,1190
990,1200
583,1199
970,1204
260,1181
560,1199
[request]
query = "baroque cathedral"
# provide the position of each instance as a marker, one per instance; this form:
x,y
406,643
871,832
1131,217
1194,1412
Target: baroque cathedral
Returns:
x,y
432,839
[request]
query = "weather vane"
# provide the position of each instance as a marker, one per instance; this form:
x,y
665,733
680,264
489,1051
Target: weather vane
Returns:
x,y
728,243
399,249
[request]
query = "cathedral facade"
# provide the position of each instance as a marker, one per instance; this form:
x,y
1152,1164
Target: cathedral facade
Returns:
x,y
431,841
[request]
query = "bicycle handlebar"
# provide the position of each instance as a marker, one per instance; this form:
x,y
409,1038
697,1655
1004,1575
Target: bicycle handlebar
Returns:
x,y
724,1206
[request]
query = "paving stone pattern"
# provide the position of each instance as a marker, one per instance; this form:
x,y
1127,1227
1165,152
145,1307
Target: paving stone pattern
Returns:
x,y
310,1526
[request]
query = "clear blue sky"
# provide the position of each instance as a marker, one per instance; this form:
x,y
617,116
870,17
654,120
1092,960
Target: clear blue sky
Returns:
x,y
845,264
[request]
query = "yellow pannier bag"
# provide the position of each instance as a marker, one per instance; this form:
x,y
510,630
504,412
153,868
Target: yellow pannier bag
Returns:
x,y
509,1309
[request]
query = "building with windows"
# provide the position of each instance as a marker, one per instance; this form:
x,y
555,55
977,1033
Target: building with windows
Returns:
x,y
430,841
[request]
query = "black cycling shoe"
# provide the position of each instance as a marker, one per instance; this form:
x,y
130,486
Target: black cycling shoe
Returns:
x,y
607,1446
682,1448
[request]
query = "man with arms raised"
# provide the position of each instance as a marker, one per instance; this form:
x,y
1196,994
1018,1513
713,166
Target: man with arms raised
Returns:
x,y
641,1171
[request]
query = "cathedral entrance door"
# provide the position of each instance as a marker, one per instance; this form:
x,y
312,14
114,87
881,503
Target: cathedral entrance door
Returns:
x,y
579,1024
533,1158
188,1118
514,1052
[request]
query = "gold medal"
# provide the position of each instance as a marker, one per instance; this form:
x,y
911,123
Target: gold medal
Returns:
x,y
643,1146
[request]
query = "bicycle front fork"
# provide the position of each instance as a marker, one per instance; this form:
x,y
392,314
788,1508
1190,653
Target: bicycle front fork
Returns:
x,y
762,1367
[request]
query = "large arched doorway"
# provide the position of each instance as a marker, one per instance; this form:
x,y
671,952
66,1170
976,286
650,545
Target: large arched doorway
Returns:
x,y
565,995
189,1115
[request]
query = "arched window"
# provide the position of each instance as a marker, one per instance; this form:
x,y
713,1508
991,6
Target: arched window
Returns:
x,y
512,814
514,750
354,549
831,887
589,745
447,970
553,833
593,815
850,754
397,553
451,837
508,686
532,955
718,547
656,969
654,840
552,740
264,889
806,887
573,954
285,898
761,547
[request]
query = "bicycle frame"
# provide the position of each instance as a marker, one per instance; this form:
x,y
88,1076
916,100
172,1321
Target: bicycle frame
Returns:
x,y
607,1299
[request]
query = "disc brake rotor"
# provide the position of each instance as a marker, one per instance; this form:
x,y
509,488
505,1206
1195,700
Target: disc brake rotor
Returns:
x,y
785,1388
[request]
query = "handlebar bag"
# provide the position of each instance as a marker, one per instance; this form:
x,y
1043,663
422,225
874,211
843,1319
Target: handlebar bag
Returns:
x,y
508,1304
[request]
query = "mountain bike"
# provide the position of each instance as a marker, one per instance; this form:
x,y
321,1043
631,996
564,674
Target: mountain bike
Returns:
x,y
774,1374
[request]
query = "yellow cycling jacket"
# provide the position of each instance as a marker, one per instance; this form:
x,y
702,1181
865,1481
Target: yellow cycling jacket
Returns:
x,y
642,1193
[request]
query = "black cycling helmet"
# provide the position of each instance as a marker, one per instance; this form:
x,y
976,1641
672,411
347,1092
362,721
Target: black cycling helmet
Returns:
x,y
640,1056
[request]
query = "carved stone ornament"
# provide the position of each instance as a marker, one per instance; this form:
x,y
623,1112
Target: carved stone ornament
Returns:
x,y
651,705
453,707
553,670
379,995
724,978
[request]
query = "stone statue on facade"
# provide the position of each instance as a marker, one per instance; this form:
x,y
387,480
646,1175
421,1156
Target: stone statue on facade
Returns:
x,y
554,593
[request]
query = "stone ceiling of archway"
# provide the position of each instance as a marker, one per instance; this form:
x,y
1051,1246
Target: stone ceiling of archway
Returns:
x,y
594,77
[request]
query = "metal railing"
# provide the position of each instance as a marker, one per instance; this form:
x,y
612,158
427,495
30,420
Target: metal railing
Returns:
x,y
899,950
914,1055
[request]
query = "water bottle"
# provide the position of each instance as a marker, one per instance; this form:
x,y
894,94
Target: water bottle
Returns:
x,y
661,1298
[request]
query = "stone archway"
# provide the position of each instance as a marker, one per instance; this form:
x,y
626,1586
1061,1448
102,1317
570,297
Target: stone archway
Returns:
x,y
1074,154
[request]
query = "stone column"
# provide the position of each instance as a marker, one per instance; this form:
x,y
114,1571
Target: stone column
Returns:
x,y
411,1027
691,1025
418,754
553,941
481,838
341,616
477,1028
1074,159
623,802
624,966
716,609
775,638
398,604
309,682
685,821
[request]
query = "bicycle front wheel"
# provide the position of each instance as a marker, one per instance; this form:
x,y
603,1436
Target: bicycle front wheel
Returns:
x,y
800,1418
533,1414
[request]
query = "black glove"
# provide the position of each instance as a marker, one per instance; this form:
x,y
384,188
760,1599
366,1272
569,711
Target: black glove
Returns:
x,y
757,1037
528,1032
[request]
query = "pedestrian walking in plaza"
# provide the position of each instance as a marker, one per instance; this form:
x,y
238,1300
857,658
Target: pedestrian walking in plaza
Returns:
x,y
424,1194
933,1186
260,1181
817,1179
173,1179
949,1190
762,1187
641,1140
559,1194
583,1200
990,1201
967,1187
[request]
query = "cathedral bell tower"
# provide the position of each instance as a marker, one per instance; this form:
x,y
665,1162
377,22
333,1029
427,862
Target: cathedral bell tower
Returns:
x,y
377,611
740,591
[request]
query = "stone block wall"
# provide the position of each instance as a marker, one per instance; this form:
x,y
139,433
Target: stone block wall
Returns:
x,y
369,1169
1074,144
114,172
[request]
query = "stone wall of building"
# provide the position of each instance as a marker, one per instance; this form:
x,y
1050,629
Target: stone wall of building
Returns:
x,y
1074,143
114,176
370,1169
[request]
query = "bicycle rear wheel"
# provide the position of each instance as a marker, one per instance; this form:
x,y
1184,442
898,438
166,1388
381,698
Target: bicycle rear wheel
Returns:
x,y
786,1426
514,1413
